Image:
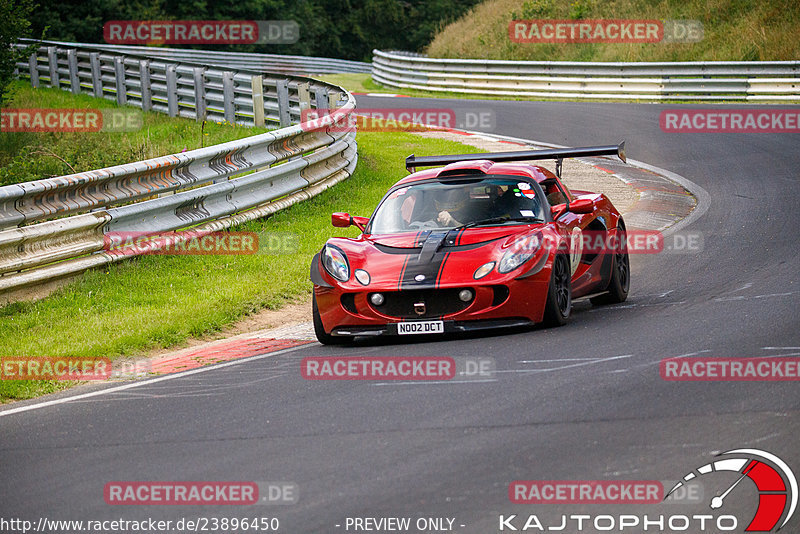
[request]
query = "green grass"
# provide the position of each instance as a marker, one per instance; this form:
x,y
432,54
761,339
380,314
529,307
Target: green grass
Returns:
x,y
26,156
734,30
160,301
355,82
362,83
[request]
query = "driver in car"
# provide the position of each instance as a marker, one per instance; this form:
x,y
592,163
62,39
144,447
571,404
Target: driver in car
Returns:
x,y
454,208
414,212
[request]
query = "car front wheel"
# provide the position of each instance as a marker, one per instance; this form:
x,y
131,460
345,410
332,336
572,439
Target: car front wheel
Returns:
x,y
620,281
319,330
559,295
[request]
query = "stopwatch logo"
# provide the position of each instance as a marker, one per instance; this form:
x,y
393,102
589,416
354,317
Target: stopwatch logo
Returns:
x,y
776,483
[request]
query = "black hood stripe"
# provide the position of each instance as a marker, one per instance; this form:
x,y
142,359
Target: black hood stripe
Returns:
x,y
456,241
427,261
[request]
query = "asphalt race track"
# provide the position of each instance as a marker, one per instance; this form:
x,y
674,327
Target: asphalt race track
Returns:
x,y
582,402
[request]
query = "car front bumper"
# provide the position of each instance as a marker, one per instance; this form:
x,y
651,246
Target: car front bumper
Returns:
x,y
518,302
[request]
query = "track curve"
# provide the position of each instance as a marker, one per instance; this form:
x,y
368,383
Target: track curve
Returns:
x,y
582,402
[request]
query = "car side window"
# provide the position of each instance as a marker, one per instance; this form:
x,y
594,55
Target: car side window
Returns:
x,y
553,193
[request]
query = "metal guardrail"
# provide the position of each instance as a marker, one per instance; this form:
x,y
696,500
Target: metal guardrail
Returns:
x,y
206,189
176,88
695,81
275,63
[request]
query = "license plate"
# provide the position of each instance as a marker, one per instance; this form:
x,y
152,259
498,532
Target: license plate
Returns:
x,y
420,327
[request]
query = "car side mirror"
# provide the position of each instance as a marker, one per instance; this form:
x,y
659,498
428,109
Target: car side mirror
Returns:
x,y
345,220
341,220
581,205
361,222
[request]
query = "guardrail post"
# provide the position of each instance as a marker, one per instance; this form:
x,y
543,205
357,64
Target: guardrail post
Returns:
x,y
52,63
119,76
74,81
305,97
97,76
283,103
228,97
333,98
172,91
199,93
33,64
321,99
144,80
257,85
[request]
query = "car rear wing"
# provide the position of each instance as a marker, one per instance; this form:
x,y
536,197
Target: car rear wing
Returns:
x,y
558,154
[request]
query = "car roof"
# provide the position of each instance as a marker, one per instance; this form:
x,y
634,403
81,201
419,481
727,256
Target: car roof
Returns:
x,y
476,168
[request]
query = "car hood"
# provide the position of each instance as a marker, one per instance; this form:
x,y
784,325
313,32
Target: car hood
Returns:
x,y
470,236
431,258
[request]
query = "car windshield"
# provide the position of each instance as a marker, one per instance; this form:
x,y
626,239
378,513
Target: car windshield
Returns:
x,y
450,204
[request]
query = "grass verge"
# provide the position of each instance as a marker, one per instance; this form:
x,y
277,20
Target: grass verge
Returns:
x,y
27,156
159,301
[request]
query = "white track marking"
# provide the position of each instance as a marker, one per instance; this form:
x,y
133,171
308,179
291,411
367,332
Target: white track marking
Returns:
x,y
433,382
767,437
581,364
688,354
561,360
635,305
141,383
658,362
754,297
657,295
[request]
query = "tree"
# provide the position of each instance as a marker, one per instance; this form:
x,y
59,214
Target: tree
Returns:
x,y
15,16
347,29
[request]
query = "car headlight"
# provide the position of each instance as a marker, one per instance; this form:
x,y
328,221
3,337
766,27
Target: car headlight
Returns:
x,y
362,276
335,263
483,270
521,251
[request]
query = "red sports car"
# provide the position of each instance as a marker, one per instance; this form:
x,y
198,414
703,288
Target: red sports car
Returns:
x,y
475,244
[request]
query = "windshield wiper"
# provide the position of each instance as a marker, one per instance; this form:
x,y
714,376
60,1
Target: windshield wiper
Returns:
x,y
495,220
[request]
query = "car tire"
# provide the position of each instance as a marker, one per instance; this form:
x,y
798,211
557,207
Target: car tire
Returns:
x,y
620,281
319,330
558,305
